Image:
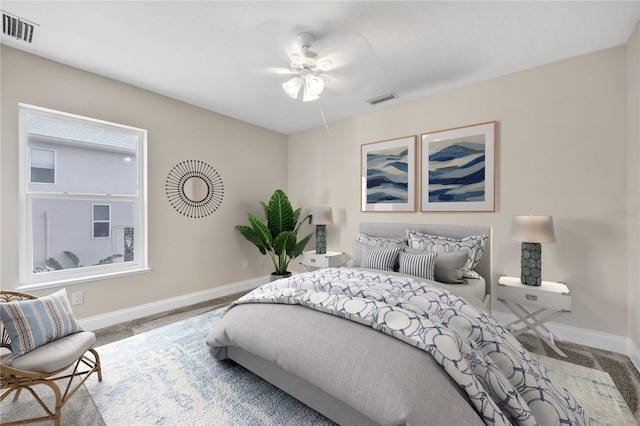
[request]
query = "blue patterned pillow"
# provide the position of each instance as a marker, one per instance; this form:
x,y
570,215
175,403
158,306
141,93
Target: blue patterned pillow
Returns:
x,y
473,245
383,259
386,242
36,322
418,265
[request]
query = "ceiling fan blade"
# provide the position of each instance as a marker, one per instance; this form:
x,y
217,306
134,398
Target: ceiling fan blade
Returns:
x,y
274,71
343,48
340,83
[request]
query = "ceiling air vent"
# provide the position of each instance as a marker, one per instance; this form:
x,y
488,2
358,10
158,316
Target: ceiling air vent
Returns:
x,y
382,98
16,27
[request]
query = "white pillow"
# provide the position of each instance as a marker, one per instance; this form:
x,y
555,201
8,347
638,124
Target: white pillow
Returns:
x,y
387,242
473,245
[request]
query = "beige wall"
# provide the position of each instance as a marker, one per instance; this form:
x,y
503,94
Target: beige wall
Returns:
x,y
185,255
633,161
564,132
561,150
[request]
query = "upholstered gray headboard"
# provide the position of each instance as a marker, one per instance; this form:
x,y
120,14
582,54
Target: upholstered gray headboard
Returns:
x,y
484,268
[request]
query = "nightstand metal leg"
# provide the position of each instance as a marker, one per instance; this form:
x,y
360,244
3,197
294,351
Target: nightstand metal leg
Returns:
x,y
533,321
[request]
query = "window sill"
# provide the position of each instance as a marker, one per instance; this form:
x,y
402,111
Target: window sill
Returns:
x,y
80,280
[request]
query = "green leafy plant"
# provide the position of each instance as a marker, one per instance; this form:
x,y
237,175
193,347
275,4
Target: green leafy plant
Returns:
x,y
279,236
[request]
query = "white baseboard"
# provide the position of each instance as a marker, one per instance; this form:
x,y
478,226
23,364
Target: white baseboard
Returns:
x,y
112,318
582,336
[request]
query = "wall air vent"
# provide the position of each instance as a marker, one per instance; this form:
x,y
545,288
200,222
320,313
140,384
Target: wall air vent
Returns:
x,y
17,27
382,98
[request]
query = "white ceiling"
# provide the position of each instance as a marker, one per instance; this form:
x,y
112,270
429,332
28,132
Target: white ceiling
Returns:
x,y
221,55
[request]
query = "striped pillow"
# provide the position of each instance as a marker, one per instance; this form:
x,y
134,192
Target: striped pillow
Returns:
x,y
418,265
379,258
36,322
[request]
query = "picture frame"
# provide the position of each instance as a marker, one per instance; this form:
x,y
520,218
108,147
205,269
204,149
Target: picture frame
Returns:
x,y
457,169
388,175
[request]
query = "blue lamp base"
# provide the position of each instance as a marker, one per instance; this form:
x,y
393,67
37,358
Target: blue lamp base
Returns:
x,y
531,264
321,239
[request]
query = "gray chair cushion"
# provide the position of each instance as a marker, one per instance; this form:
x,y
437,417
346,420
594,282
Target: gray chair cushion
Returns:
x,y
55,355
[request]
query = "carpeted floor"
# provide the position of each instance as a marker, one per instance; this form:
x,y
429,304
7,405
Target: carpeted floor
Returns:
x,y
131,328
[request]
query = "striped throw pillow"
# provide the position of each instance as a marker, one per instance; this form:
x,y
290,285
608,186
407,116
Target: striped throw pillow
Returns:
x,y
36,322
418,265
379,258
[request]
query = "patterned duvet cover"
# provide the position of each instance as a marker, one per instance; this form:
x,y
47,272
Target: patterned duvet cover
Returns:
x,y
503,381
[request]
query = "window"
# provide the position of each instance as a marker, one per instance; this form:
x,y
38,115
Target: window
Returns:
x,y
96,179
42,165
101,221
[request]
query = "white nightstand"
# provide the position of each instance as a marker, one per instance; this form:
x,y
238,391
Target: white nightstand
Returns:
x,y
548,300
330,259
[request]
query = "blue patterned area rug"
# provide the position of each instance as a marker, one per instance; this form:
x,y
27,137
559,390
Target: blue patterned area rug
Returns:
x,y
594,390
166,376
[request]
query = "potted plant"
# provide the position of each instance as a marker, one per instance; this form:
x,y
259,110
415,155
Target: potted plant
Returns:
x,y
279,236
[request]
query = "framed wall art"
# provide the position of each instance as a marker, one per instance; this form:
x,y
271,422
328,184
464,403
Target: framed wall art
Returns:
x,y
388,175
457,169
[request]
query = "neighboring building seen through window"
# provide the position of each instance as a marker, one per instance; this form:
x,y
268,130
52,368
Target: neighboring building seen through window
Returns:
x,y
90,220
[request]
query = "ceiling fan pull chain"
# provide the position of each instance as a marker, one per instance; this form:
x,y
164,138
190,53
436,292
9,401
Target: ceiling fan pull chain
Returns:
x,y
326,126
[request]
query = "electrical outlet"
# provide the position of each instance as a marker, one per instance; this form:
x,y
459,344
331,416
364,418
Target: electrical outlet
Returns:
x,y
245,264
77,298
262,261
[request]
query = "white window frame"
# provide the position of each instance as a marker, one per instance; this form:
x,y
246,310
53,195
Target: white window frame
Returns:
x,y
94,221
30,280
55,165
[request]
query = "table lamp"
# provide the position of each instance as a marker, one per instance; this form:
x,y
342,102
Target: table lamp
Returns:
x,y
532,231
321,217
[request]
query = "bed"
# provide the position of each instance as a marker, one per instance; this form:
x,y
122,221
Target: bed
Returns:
x,y
367,345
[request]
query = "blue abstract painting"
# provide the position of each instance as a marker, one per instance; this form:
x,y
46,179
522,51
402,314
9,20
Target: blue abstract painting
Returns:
x,y
457,170
387,176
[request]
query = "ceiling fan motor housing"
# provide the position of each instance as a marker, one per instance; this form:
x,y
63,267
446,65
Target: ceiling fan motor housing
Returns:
x,y
305,40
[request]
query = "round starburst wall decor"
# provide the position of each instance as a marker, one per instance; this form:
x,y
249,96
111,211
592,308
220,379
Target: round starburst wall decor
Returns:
x,y
194,188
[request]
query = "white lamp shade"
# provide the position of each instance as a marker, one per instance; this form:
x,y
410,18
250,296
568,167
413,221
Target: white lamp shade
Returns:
x,y
292,87
306,97
532,229
313,85
321,215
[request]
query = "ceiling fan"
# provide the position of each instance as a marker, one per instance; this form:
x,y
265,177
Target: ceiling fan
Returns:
x,y
307,70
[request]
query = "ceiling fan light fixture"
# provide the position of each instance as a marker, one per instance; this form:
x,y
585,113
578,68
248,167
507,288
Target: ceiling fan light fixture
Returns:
x,y
305,71
292,87
313,85
307,97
